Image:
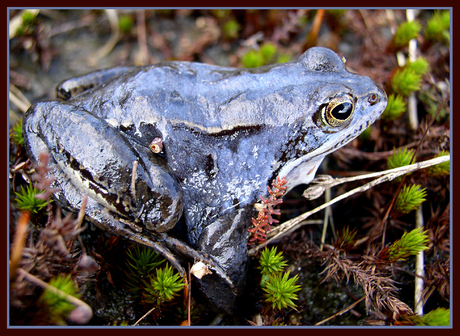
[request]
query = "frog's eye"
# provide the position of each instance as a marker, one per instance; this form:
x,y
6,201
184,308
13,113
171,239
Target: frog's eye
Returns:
x,y
338,111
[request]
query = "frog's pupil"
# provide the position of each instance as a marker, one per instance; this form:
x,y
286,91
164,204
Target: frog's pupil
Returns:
x,y
342,111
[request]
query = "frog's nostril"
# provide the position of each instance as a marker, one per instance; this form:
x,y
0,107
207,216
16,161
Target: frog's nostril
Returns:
x,y
373,99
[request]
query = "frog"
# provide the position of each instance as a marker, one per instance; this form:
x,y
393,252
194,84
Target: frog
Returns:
x,y
174,155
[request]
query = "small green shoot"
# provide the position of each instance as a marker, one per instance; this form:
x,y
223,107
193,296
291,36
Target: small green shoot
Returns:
x,y
221,13
271,263
280,290
442,169
436,317
26,199
57,307
268,52
405,81
125,23
409,198
231,29
141,262
406,31
345,239
256,58
400,158
28,18
431,103
410,244
163,287
438,27
420,66
252,59
16,134
395,108
283,58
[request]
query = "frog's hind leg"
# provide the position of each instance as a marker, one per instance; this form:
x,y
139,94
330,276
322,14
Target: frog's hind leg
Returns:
x,y
90,157
71,197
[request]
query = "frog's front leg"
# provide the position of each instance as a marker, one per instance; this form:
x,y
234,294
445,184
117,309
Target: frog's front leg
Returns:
x,y
225,240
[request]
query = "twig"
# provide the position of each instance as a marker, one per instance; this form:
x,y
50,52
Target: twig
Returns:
x,y
412,103
151,310
133,179
19,242
388,175
313,35
419,268
142,38
327,213
18,102
343,311
81,213
189,299
107,48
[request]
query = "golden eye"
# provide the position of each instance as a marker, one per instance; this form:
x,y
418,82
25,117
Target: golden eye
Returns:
x,y
338,111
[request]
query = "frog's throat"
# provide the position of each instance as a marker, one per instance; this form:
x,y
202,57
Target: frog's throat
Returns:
x,y
301,170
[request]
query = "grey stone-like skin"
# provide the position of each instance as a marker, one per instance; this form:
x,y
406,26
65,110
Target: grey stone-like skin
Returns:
x,y
226,133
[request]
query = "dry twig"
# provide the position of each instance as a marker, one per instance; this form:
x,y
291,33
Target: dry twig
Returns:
x,y
388,175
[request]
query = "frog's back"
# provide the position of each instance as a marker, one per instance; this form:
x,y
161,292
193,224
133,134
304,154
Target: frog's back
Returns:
x,y
213,98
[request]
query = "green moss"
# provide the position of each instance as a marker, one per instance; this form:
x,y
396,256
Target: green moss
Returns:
x,y
410,244
420,66
268,52
280,290
395,108
141,262
28,18
126,24
442,169
283,58
406,31
271,262
16,134
56,306
26,199
252,59
410,198
405,81
401,157
438,27
163,287
436,317
231,29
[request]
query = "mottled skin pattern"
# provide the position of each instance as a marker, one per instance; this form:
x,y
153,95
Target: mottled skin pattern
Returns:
x,y
226,134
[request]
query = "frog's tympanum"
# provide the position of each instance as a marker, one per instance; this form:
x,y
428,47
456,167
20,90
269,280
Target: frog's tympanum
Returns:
x,y
220,136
